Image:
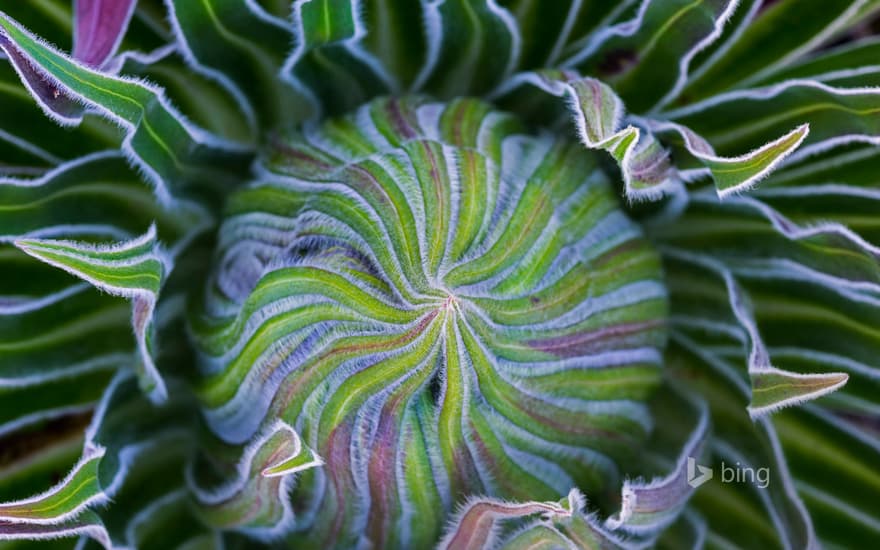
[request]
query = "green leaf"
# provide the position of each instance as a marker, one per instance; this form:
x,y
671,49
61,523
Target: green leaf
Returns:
x,y
243,48
649,58
256,502
474,526
773,389
814,288
644,163
50,19
549,29
769,39
742,118
329,61
741,514
327,21
736,174
205,101
172,153
832,458
78,490
25,404
134,269
401,47
851,64
61,341
472,47
96,195
133,455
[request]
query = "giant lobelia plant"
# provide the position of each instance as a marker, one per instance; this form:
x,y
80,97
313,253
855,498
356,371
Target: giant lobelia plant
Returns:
x,y
453,273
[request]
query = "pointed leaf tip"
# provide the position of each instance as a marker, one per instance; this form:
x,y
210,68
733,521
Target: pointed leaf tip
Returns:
x,y
633,141
49,94
78,490
134,269
773,389
99,28
297,459
733,175
475,526
171,152
648,507
256,501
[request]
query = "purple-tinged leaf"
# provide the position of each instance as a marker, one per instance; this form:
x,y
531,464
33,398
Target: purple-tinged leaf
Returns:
x,y
649,507
100,26
171,152
50,94
475,526
644,163
87,523
256,502
598,116
562,524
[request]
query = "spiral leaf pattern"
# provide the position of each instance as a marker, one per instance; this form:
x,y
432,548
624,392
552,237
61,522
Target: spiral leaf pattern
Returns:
x,y
443,305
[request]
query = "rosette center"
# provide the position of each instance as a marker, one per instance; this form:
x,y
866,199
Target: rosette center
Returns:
x,y
444,304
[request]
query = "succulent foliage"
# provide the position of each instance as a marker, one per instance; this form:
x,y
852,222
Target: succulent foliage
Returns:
x,y
464,274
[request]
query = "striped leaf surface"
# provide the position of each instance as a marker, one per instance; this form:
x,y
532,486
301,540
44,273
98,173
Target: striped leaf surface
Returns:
x,y
409,286
444,316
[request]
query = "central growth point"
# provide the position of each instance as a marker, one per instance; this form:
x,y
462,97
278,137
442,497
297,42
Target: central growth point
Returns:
x,y
336,270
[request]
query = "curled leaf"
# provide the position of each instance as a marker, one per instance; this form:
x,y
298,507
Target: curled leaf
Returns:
x,y
598,115
771,388
649,507
134,269
256,502
644,163
475,526
484,523
736,174
78,490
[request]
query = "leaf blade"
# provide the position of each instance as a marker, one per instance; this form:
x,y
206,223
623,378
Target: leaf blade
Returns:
x,y
135,270
170,151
